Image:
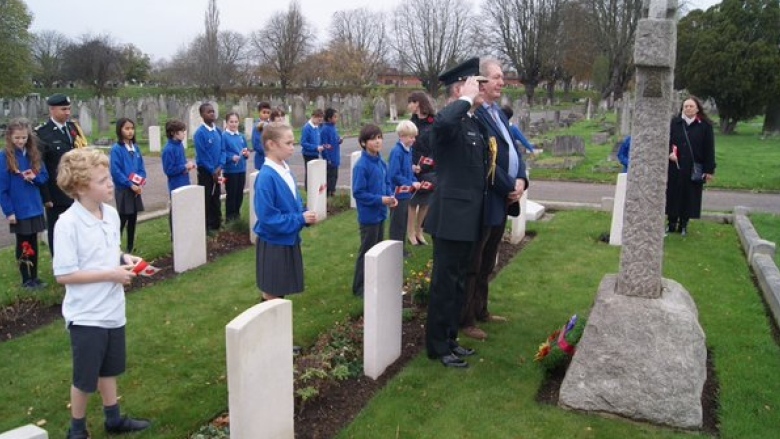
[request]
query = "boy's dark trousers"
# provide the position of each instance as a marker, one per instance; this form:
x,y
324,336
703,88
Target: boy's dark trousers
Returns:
x,y
370,235
332,177
234,186
398,216
213,203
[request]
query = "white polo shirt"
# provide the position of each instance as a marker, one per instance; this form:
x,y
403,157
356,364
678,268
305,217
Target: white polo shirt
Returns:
x,y
86,243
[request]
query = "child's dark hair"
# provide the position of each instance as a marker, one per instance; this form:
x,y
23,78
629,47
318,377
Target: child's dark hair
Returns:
x,y
21,124
119,124
367,133
202,108
232,113
276,114
263,106
424,105
317,113
329,113
172,127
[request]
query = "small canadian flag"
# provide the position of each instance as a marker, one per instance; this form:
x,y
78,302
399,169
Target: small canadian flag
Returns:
x,y
404,189
28,173
427,161
427,186
144,269
137,179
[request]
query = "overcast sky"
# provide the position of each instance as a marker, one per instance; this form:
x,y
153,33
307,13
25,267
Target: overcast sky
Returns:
x,y
160,27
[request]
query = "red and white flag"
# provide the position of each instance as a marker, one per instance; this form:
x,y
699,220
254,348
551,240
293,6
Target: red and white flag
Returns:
x,y
426,161
28,173
137,179
404,189
427,186
144,269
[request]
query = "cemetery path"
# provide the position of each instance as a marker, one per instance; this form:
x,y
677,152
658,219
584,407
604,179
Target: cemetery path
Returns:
x,y
156,193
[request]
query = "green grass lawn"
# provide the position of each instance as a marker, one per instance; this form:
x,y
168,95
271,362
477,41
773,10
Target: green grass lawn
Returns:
x,y
746,160
768,227
176,358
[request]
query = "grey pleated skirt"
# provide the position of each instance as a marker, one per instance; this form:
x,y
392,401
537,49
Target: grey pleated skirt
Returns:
x,y
127,202
279,268
29,226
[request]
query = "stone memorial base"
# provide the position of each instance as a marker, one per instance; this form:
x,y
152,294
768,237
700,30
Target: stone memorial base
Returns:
x,y
643,359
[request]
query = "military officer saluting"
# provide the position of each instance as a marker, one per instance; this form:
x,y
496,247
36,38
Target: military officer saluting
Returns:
x,y
56,137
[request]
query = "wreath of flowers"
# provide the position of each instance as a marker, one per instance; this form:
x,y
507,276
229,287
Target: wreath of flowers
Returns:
x,y
560,346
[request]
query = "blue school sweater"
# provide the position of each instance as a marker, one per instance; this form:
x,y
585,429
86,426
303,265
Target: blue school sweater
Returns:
x,y
233,144
123,163
17,196
400,169
208,148
369,184
257,146
310,140
279,213
329,135
174,163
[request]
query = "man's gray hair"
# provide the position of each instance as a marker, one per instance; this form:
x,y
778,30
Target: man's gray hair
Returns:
x,y
484,63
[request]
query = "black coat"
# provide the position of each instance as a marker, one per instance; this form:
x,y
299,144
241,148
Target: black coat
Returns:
x,y
683,196
460,151
500,186
53,144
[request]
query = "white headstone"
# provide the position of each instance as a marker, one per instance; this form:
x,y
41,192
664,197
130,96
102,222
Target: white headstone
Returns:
x,y
154,139
260,372
518,222
316,195
249,125
27,432
382,307
252,214
533,211
616,230
188,207
353,158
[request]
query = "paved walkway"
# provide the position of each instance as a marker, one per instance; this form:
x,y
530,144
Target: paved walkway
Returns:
x,y
156,193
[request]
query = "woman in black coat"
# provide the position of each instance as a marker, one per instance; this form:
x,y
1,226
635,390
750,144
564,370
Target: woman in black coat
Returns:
x,y
419,104
691,140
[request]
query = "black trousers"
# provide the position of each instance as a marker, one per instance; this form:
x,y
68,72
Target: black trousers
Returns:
x,y
398,217
52,215
212,194
484,260
452,266
332,178
234,186
370,235
28,267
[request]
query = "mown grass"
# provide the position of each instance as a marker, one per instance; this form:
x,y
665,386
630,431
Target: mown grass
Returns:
x,y
768,227
176,368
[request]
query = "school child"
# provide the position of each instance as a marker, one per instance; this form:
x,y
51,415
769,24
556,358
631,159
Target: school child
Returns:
x,y
331,152
372,192
264,109
129,175
89,263
402,178
208,152
235,154
311,142
22,173
174,161
277,115
281,216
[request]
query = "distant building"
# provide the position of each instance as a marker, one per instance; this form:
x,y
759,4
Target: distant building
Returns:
x,y
393,76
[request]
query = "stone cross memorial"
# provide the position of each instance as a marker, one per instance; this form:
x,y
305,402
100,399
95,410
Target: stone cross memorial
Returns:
x,y
642,355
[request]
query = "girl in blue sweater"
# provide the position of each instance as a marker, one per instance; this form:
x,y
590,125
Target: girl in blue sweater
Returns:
x,y
21,174
235,153
129,176
280,218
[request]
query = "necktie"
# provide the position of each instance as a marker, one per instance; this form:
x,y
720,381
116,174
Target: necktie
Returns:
x,y
65,131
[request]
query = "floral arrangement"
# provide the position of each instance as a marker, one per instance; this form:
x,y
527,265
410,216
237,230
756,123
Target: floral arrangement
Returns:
x,y
559,347
27,253
418,284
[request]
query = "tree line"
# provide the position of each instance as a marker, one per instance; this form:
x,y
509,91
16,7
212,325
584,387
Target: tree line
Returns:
x,y
729,53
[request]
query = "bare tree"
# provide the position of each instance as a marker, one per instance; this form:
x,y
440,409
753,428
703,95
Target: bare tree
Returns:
x,y
579,48
209,50
429,36
359,38
48,50
613,24
284,42
526,33
94,61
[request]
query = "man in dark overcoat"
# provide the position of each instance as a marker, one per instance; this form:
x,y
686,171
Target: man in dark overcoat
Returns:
x,y
456,209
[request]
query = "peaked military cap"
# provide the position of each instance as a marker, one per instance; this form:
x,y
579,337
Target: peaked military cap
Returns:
x,y
462,71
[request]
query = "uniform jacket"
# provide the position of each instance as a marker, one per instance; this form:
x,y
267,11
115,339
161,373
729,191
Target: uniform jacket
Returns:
x,y
174,163
53,144
460,150
18,196
208,148
123,164
329,135
310,140
257,146
370,182
400,170
279,213
232,145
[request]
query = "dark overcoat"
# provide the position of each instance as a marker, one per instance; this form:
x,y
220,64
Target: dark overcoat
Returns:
x,y
53,144
695,143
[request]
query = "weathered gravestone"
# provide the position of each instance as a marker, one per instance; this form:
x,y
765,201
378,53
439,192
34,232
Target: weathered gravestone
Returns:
x,y
568,145
643,355
102,115
188,214
85,119
260,372
380,111
194,120
382,307
298,111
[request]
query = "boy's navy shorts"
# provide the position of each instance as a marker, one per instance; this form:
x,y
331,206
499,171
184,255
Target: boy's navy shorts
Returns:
x,y
97,352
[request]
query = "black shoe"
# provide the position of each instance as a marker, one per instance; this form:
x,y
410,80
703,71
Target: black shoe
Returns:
x,y
453,360
128,425
82,435
671,228
460,351
39,283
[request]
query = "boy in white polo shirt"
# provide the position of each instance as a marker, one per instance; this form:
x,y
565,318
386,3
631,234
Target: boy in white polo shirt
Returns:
x,y
89,263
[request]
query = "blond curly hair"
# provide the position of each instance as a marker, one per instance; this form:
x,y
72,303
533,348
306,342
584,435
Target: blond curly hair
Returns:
x,y
73,173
